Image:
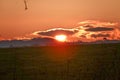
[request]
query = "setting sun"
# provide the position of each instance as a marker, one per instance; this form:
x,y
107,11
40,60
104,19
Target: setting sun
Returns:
x,y
61,38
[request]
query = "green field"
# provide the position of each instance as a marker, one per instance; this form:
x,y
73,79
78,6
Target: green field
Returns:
x,y
83,62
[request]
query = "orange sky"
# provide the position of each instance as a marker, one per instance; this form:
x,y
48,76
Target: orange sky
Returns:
x,y
46,14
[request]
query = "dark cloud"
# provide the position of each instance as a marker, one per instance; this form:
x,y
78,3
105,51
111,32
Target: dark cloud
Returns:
x,y
100,35
99,29
53,32
43,39
83,36
88,26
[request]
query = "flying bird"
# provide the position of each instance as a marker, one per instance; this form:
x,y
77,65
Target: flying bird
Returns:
x,y
25,2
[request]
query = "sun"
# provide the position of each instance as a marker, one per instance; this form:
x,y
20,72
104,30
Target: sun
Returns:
x,y
61,38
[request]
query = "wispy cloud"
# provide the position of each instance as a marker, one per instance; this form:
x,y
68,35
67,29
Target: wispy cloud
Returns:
x,y
56,31
95,30
95,23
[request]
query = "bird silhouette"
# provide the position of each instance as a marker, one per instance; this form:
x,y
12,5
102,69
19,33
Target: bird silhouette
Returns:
x,y
25,2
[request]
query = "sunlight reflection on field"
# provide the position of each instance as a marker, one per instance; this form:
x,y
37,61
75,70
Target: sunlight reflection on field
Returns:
x,y
60,53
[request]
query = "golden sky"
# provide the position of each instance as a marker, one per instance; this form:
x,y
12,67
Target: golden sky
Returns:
x,y
47,14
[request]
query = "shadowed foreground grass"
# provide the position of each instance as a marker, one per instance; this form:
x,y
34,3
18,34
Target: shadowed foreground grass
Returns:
x,y
83,62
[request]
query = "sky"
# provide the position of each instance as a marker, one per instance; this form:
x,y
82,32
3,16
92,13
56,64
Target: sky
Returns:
x,y
55,15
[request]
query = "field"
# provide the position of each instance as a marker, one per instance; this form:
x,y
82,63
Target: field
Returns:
x,y
82,62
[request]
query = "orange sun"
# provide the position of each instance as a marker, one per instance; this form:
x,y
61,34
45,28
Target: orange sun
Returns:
x,y
61,38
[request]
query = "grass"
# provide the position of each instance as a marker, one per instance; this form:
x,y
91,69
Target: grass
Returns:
x,y
82,62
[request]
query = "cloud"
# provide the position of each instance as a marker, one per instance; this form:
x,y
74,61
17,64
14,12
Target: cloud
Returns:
x,y
100,35
83,36
97,23
56,31
99,29
43,39
40,41
87,30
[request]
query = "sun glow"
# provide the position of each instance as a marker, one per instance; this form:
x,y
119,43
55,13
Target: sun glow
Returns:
x,y
61,38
